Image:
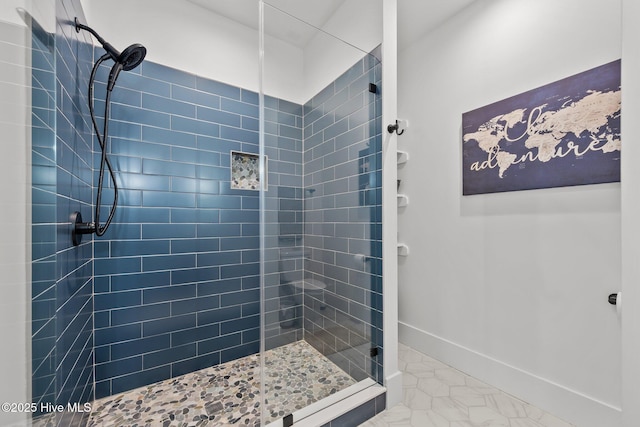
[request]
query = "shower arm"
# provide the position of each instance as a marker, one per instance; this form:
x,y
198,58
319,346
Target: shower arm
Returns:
x,y
113,53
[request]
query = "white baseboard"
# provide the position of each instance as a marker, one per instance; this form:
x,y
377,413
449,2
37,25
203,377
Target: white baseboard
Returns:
x,y
393,384
569,405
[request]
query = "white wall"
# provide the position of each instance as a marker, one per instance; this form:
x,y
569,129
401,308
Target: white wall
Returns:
x,y
14,217
359,23
509,287
630,215
185,36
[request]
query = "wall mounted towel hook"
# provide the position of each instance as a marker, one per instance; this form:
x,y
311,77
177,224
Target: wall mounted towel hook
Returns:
x,y
395,127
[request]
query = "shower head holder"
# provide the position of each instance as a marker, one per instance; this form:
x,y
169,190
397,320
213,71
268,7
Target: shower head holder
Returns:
x,y
80,228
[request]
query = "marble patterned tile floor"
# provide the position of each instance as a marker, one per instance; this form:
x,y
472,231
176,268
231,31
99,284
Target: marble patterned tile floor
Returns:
x,y
436,395
227,394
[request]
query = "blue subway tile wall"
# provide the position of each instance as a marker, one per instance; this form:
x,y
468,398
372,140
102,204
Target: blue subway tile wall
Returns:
x,y
62,286
343,220
173,286
177,274
74,265
43,194
284,252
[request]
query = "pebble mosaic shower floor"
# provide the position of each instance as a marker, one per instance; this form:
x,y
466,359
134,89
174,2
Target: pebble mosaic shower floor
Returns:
x,y
227,394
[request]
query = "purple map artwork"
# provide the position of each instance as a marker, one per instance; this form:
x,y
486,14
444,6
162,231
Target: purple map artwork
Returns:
x,y
561,134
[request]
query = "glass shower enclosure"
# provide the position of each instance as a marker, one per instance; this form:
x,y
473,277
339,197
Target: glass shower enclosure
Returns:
x,y
322,225
241,278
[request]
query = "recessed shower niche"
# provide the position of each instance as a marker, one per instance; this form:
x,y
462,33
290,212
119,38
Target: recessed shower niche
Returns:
x,y
245,171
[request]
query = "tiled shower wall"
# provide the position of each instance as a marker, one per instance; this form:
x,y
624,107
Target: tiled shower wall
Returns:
x,y
62,301
177,276
283,222
43,208
343,219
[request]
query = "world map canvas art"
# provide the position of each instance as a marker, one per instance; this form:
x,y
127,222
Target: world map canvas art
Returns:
x,y
561,134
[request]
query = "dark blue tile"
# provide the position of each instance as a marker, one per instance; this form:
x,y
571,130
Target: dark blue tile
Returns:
x,y
195,334
117,300
217,88
126,130
218,315
238,216
103,389
143,84
116,334
251,335
220,286
194,216
216,201
118,367
219,343
201,303
195,126
139,379
219,117
167,105
245,109
167,74
140,346
237,325
195,364
192,275
212,172
196,97
121,265
170,137
168,199
169,355
249,123
101,319
139,247
230,271
186,155
218,258
242,297
236,134
218,230
249,96
236,243
139,314
168,231
129,214
127,113
168,262
219,145
195,245
290,107
169,293
168,325
244,350
157,167
141,280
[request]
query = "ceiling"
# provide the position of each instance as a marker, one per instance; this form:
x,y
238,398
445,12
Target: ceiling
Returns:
x,y
415,17
277,23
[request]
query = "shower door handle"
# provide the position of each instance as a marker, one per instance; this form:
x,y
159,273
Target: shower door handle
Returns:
x,y
613,299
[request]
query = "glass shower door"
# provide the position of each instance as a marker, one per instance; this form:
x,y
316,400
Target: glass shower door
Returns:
x,y
321,212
